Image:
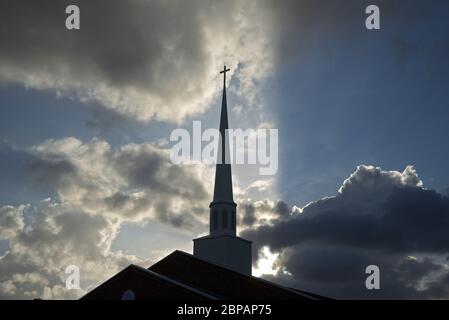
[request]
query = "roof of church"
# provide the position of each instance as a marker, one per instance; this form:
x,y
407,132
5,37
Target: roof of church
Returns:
x,y
182,276
145,285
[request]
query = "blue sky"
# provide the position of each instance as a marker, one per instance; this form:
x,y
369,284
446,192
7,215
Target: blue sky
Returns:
x,y
375,98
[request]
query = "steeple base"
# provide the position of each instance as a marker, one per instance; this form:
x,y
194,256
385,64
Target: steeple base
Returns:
x,y
228,251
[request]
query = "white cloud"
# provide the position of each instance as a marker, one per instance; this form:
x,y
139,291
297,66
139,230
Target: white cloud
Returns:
x,y
161,66
11,221
97,188
369,179
58,235
133,182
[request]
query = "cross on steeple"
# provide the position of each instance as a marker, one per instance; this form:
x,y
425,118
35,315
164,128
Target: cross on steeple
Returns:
x,y
224,74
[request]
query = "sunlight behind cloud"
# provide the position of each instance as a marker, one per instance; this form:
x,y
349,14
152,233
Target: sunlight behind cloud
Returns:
x,y
265,265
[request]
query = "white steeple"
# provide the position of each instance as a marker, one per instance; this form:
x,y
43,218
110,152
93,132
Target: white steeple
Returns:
x,y
222,208
222,246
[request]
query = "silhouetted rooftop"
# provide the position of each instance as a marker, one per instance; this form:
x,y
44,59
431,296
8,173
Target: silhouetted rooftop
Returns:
x,y
182,276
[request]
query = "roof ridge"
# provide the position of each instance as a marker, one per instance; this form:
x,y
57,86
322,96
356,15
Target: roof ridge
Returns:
x,y
292,290
176,282
203,261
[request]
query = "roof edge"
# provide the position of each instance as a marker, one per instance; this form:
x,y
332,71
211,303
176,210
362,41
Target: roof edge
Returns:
x,y
175,282
295,291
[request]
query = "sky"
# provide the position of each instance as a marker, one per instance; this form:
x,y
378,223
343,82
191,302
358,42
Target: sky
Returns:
x,y
86,117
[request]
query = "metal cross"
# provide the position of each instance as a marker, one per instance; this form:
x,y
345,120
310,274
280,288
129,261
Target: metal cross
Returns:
x,y
224,74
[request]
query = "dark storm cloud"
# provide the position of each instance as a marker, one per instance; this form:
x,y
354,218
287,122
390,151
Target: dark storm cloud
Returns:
x,y
378,217
282,209
248,214
118,45
339,272
53,173
259,212
411,219
132,57
146,168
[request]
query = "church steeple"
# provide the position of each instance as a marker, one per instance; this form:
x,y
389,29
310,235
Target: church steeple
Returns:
x,y
222,208
222,246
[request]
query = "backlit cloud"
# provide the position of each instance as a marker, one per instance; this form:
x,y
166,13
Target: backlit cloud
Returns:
x,y
147,59
385,218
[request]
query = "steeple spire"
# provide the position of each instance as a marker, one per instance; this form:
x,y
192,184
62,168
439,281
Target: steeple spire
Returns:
x,y
223,156
222,213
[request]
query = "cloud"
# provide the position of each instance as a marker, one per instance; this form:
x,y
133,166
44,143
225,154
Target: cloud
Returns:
x,y
134,182
160,59
146,59
11,221
263,212
386,218
56,236
95,189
